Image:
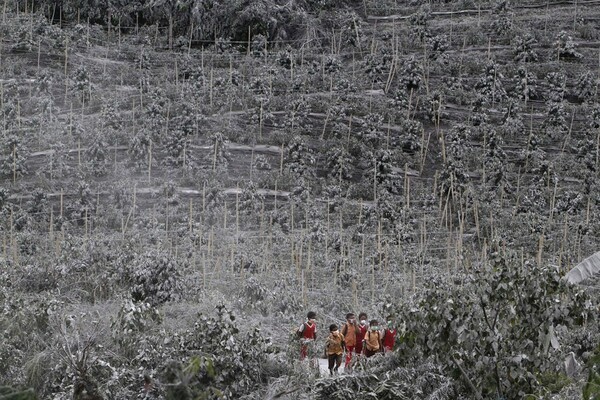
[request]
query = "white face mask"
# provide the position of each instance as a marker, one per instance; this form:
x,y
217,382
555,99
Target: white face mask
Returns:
x,y
351,320
363,322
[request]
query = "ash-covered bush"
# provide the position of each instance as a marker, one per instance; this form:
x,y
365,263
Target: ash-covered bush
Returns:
x,y
155,278
384,377
501,332
222,360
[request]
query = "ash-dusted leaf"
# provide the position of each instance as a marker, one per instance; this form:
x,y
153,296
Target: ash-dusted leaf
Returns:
x,y
585,269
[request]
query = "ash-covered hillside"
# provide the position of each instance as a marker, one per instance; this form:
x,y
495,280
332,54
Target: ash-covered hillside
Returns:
x,y
434,161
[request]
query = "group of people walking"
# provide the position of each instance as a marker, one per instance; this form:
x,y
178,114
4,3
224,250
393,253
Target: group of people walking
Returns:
x,y
356,337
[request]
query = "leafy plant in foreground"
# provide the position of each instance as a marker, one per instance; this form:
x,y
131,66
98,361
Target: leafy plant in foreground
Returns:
x,y
499,332
223,361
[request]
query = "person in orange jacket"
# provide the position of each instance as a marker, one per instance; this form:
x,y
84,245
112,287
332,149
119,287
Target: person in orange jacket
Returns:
x,y
372,342
334,348
351,331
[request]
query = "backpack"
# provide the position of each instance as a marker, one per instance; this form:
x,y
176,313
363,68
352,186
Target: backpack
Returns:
x,y
372,340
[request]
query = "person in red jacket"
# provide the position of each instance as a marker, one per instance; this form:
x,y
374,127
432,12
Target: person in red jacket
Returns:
x,y
389,335
307,333
363,326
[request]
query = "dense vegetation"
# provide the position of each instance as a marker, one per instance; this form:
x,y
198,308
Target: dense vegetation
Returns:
x,y
182,180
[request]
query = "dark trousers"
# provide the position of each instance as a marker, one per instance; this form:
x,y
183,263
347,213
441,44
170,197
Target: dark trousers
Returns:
x,y
370,353
334,360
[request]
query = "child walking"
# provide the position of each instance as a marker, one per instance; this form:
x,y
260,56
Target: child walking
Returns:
x,y
373,343
334,348
350,331
362,331
307,333
389,335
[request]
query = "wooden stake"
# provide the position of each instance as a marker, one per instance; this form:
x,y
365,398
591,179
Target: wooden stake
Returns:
x,y
540,249
191,216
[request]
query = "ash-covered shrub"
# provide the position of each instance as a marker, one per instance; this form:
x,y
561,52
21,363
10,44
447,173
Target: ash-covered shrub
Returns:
x,y
222,360
501,331
384,377
155,278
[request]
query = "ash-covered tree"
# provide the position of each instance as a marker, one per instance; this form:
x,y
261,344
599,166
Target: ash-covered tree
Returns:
x,y
525,84
300,159
258,46
176,144
524,48
512,120
434,107
380,170
219,156
59,161
586,87
155,111
339,164
555,123
494,162
565,48
556,90
437,46
97,153
81,83
296,118
409,138
490,85
83,207
139,148
375,66
251,200
351,26
370,131
502,24
454,176
14,154
533,155
587,157
419,24
111,122
411,75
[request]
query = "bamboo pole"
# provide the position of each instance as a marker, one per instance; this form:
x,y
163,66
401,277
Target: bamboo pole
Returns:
x,y
309,263
211,86
237,213
150,162
281,161
203,271
66,64
540,249
191,216
304,297
564,243
14,156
